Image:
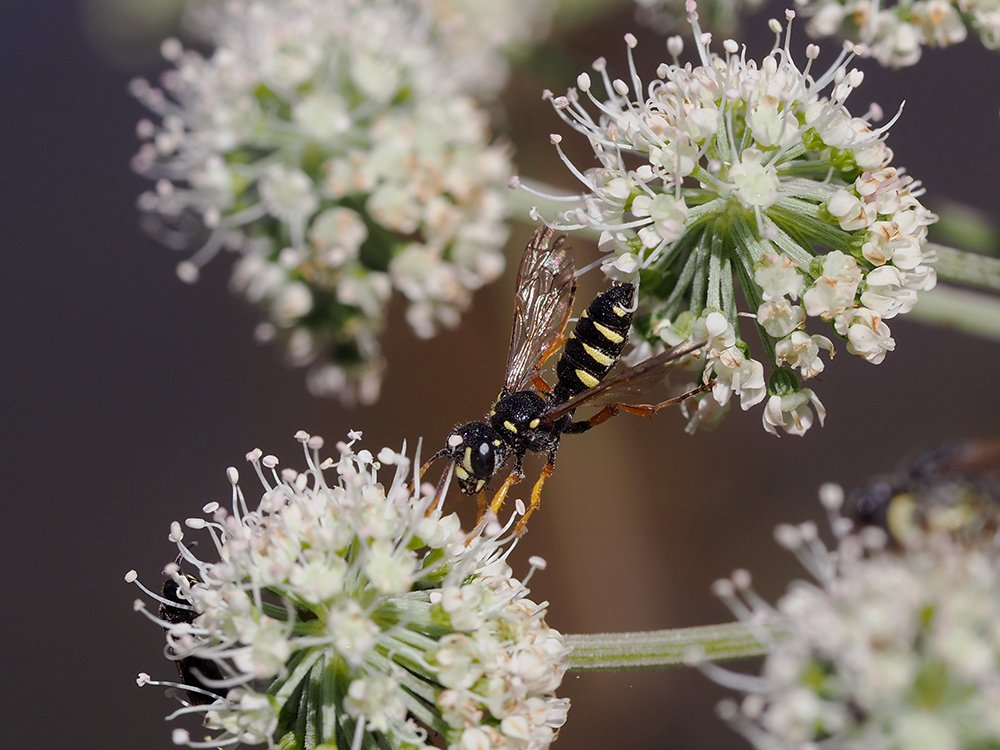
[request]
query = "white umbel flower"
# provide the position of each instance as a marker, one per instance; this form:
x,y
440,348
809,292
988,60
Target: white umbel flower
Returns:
x,y
895,33
321,140
737,175
884,649
337,612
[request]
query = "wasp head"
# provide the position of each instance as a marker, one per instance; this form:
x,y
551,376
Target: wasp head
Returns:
x,y
478,452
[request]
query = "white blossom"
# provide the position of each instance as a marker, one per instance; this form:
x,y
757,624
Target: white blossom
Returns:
x,y
896,32
792,412
730,180
885,648
366,594
320,140
800,351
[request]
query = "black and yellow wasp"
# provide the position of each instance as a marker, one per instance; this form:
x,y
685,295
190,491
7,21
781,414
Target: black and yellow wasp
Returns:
x,y
529,414
953,489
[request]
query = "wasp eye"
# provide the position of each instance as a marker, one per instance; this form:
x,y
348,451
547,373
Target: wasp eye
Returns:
x,y
483,461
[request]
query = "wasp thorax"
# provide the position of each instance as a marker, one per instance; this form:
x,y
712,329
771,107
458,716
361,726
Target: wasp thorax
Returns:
x,y
478,452
517,415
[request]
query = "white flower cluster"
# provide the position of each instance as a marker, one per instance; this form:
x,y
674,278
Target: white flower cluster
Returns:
x,y
734,173
895,33
331,144
476,33
717,16
357,610
476,36
887,650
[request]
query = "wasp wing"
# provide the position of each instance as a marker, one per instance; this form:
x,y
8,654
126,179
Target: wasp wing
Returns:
x,y
625,382
546,286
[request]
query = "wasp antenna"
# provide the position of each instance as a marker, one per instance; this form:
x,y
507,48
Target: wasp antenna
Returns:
x,y
442,488
426,465
434,457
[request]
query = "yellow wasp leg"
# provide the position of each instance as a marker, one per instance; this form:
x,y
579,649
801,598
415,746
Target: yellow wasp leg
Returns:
x,y
536,495
513,478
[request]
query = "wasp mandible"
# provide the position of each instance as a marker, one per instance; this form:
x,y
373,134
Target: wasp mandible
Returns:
x,y
529,415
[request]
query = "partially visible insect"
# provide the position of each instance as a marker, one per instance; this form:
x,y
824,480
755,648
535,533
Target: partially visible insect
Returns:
x,y
953,489
529,415
194,672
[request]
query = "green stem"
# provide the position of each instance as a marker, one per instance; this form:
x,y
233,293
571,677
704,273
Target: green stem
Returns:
x,y
962,310
961,267
667,648
966,227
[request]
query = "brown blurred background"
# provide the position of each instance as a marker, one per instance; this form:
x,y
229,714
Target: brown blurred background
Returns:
x,y
126,394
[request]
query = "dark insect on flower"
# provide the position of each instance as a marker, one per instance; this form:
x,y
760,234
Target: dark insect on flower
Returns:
x,y
953,489
197,674
530,415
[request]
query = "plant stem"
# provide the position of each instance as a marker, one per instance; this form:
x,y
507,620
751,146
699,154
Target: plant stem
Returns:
x,y
962,310
966,227
668,648
982,271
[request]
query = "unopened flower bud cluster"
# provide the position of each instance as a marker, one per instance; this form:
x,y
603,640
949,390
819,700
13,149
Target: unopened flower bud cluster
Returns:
x,y
334,147
733,174
359,609
895,33
888,648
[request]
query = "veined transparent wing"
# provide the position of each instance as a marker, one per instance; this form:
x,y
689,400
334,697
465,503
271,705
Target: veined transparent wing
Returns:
x,y
546,287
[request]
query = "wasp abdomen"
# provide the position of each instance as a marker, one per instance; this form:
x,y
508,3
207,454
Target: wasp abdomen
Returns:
x,y
596,342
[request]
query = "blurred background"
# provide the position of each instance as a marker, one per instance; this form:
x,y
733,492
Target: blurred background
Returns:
x,y
126,394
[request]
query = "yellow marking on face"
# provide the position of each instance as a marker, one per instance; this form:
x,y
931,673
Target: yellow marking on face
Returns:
x,y
497,443
572,334
621,312
534,423
467,459
461,473
587,379
614,338
510,427
584,314
598,356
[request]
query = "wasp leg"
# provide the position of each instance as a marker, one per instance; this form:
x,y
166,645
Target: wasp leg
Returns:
x,y
540,383
536,378
643,410
536,493
513,478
